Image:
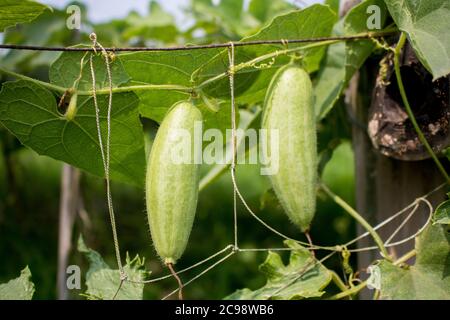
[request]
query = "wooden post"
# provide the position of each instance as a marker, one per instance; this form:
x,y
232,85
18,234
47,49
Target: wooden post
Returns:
x,y
384,185
70,188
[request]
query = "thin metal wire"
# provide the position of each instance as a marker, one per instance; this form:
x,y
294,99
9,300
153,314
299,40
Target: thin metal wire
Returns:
x,y
334,249
398,213
202,273
186,269
411,237
404,222
205,46
233,139
292,249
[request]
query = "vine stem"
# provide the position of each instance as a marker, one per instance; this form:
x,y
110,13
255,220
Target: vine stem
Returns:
x,y
405,257
401,87
362,285
344,205
262,58
39,82
338,281
57,88
143,87
349,292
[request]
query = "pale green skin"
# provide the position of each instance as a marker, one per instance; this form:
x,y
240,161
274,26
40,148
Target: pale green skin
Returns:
x,y
288,107
172,189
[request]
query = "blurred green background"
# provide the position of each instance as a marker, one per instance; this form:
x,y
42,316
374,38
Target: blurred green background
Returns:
x,y
30,184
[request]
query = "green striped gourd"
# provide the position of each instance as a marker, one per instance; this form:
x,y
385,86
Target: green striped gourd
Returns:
x,y
288,108
172,187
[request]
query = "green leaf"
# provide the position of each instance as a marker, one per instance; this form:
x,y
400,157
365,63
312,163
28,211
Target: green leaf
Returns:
x,y
102,282
269,200
331,78
49,29
247,120
172,68
158,25
66,69
219,65
265,10
288,282
30,112
355,22
344,59
163,68
251,83
429,277
426,23
442,213
334,5
311,22
13,12
20,288
220,119
226,18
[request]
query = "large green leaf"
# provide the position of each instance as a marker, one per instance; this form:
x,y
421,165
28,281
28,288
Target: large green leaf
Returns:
x,y
303,277
163,68
265,10
331,78
66,69
191,68
334,5
312,22
227,18
30,112
20,288
427,24
442,213
103,282
176,68
344,59
251,83
158,25
13,12
429,277
49,29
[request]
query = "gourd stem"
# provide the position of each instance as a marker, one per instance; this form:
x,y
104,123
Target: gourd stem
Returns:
x,y
180,284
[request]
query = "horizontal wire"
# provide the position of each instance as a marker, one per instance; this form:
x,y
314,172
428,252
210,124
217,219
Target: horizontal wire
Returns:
x,y
196,47
201,274
229,247
398,213
236,250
